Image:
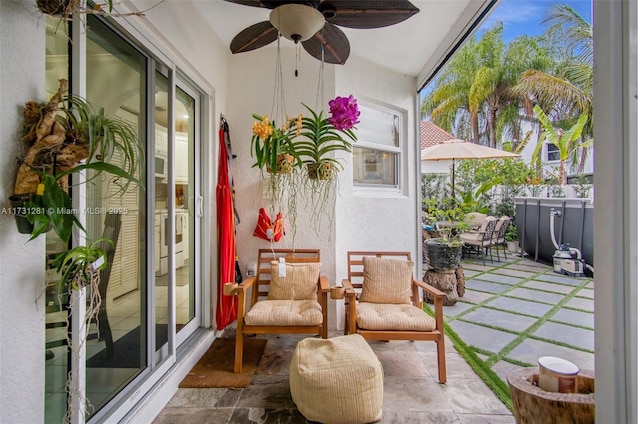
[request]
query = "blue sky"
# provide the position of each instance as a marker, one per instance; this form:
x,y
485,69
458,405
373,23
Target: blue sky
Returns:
x,y
524,17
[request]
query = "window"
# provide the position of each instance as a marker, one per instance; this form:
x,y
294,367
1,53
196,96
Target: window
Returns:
x,y
553,153
376,154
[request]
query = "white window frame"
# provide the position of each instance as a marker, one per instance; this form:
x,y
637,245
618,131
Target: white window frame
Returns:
x,y
547,152
399,151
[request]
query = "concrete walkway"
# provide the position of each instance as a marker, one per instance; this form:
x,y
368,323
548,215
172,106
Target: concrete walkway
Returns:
x,y
517,310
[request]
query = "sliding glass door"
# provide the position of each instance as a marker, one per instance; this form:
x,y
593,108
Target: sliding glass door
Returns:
x,y
150,290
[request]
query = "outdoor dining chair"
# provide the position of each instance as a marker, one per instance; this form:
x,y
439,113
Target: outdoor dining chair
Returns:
x,y
480,239
499,232
285,298
382,302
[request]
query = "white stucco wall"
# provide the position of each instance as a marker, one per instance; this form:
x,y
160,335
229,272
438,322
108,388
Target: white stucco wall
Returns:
x,y
22,47
371,221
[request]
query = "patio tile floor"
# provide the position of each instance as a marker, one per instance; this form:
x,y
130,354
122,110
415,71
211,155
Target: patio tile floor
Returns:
x,y
541,313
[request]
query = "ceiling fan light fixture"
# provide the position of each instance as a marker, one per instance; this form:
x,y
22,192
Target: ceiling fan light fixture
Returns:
x,y
296,22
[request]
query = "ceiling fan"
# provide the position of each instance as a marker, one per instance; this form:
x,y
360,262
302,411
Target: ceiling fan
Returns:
x,y
315,24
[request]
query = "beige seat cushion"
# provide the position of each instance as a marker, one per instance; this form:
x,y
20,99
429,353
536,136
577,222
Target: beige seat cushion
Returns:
x,y
300,282
386,280
337,380
284,313
373,316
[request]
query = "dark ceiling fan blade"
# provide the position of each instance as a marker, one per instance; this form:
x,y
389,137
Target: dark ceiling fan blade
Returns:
x,y
272,4
335,42
254,3
364,14
253,37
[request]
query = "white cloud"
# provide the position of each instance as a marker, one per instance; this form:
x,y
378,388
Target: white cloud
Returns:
x,y
515,12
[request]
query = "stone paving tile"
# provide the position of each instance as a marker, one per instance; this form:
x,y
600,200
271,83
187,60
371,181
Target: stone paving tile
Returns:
x,y
414,394
263,416
585,293
196,398
522,306
484,338
470,396
513,273
502,279
535,264
570,316
504,368
566,334
552,287
500,319
193,415
524,267
476,297
411,417
486,286
458,308
530,350
457,367
486,419
590,285
468,273
476,266
557,278
529,294
578,303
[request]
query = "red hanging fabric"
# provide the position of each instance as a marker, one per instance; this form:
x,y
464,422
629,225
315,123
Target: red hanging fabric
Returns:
x,y
227,308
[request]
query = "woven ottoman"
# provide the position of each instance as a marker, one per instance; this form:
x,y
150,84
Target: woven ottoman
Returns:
x,y
337,380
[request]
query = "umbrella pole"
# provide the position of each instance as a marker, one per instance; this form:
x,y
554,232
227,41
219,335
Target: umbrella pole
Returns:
x,y
453,179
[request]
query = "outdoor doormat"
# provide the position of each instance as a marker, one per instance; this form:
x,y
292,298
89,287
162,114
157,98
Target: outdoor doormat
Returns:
x,y
215,368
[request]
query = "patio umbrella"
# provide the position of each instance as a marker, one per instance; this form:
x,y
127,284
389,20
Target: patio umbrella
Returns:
x,y
459,149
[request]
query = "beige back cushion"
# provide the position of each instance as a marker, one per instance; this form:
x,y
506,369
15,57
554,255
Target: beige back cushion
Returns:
x,y
386,280
300,282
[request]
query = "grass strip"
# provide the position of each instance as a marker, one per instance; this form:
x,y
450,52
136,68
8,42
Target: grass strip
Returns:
x,y
485,373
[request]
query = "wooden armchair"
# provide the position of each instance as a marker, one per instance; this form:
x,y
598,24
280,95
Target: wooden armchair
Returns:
x,y
295,303
382,302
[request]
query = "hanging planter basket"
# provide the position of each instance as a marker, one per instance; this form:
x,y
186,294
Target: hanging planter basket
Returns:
x,y
320,171
18,208
284,165
444,255
55,7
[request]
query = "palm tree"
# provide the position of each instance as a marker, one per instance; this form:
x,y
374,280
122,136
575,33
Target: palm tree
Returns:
x,y
477,86
448,102
494,82
565,92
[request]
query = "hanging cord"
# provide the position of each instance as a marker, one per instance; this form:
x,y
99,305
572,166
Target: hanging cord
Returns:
x,y
320,90
297,58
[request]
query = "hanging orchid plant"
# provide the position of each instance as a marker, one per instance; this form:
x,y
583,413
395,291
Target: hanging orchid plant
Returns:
x,y
322,135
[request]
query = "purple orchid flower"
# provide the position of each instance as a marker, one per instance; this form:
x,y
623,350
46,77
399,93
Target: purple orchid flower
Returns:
x,y
344,112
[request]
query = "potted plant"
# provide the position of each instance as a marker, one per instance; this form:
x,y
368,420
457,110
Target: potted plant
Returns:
x,y
511,237
444,253
321,136
65,136
272,147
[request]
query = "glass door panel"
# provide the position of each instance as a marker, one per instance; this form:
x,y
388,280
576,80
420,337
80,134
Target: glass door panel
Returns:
x,y
116,75
161,166
185,205
56,312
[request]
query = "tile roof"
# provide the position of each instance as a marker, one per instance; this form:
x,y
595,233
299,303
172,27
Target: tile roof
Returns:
x,y
431,134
